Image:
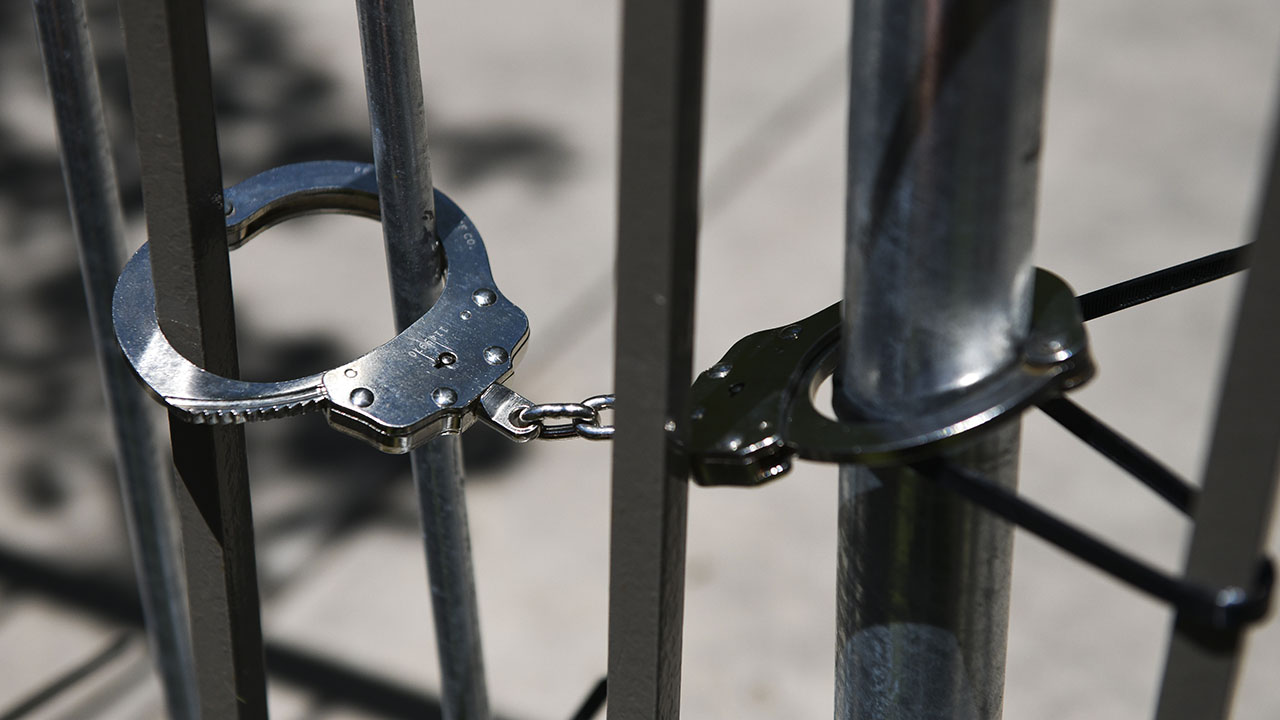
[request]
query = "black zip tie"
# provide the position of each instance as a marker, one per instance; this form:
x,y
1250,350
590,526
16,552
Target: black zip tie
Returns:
x,y
1226,608
1120,450
1158,284
591,706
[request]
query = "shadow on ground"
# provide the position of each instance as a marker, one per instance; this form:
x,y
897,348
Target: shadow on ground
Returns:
x,y
50,403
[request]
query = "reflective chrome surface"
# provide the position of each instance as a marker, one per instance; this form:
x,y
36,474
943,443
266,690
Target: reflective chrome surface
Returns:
x,y
501,405
418,392
401,375
195,394
306,188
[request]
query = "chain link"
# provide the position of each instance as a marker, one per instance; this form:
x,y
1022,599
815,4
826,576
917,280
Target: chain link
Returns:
x,y
585,417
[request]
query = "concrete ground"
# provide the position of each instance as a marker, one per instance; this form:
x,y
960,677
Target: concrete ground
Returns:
x,y
1154,142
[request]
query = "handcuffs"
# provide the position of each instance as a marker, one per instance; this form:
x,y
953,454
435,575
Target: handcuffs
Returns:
x,y
748,416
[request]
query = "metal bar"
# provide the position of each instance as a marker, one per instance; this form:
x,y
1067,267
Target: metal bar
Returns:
x,y
145,476
1233,514
944,138
393,81
662,69
167,57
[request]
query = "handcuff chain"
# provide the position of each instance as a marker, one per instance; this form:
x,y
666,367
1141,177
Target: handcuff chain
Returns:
x,y
585,417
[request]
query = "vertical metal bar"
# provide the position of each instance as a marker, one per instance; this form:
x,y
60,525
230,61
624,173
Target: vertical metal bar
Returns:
x,y
944,138
167,56
393,80
662,67
145,478
1234,511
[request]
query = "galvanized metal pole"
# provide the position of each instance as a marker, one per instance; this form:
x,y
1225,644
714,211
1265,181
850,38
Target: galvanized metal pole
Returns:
x,y
944,137
662,66
145,475
1233,512
393,80
167,56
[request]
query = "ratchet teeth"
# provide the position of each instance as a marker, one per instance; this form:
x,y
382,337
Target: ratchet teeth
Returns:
x,y
245,413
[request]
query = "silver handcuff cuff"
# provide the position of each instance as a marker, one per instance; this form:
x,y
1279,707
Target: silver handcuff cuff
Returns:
x,y
436,377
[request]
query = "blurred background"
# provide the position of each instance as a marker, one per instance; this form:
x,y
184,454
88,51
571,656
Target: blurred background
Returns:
x,y
1157,116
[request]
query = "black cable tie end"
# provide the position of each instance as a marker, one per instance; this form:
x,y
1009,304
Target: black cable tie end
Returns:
x,y
1234,608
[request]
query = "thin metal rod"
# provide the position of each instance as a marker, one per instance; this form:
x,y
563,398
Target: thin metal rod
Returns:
x,y
393,81
145,474
1239,489
1161,283
167,57
1120,450
944,138
662,70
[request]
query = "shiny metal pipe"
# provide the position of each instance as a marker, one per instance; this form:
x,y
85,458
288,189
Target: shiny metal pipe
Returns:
x,y
145,475
393,82
944,138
